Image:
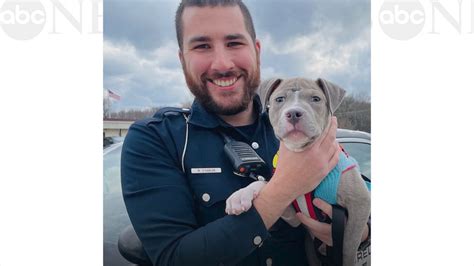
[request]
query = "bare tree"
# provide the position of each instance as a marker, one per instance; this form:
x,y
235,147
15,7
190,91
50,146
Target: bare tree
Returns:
x,y
135,114
354,113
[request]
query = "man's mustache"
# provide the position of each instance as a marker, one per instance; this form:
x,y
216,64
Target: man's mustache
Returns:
x,y
224,74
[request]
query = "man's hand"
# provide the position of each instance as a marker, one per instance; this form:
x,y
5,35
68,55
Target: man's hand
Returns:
x,y
322,231
297,173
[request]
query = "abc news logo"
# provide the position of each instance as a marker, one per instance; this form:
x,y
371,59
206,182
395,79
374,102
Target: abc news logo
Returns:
x,y
22,20
402,20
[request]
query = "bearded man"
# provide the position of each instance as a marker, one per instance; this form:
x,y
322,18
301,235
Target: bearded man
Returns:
x,y
176,176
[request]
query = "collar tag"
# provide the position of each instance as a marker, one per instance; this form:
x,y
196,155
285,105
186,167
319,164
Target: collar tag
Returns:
x,y
206,170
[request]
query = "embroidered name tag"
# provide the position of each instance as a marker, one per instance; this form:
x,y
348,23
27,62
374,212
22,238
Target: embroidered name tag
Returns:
x,y
206,170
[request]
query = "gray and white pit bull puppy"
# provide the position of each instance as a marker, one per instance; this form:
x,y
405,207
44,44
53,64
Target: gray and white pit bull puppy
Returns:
x,y
299,111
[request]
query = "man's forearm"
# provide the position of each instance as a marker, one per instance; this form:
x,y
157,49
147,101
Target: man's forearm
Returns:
x,y
227,240
272,202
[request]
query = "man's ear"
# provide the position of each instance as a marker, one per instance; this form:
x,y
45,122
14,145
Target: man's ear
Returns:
x,y
334,93
257,47
181,58
265,90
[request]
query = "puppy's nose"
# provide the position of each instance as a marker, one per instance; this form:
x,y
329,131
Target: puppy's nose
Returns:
x,y
293,116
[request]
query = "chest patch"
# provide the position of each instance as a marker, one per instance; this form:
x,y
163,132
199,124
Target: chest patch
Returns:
x,y
214,170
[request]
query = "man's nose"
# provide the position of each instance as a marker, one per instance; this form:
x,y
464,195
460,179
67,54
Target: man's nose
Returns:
x,y
222,60
294,115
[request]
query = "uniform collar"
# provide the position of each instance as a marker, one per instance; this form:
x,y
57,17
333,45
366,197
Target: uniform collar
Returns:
x,y
201,117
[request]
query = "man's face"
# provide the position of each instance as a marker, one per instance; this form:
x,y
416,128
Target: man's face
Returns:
x,y
220,61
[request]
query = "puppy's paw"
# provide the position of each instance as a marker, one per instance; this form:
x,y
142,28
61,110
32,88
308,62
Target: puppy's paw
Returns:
x,y
241,200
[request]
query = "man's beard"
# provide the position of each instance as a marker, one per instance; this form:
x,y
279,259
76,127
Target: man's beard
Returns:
x,y
202,94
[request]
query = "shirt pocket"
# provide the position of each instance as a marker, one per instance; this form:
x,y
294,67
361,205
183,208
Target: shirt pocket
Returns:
x,y
211,192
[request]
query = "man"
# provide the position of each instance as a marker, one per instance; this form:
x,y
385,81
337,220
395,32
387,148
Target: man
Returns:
x,y
176,177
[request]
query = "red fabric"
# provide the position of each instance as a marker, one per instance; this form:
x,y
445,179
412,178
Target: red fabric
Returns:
x,y
309,204
348,168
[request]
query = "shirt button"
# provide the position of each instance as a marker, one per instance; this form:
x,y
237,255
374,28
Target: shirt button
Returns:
x,y
257,240
269,262
255,145
206,197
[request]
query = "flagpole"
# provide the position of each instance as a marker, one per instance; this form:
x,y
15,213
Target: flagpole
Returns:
x,y
114,96
108,106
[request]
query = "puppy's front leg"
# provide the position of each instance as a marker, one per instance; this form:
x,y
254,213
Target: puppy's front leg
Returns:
x,y
289,216
241,200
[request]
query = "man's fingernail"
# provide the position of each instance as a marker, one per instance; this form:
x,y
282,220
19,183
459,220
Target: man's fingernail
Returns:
x,y
317,201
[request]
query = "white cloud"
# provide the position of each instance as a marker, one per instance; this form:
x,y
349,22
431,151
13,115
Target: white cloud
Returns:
x,y
270,72
322,52
309,38
166,54
144,80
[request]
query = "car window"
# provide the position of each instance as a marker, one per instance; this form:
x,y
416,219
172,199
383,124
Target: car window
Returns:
x,y
360,152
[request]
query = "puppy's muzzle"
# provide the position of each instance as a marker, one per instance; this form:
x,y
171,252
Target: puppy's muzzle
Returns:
x,y
294,115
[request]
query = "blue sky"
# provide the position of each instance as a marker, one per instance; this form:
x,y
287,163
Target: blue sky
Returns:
x,y
308,38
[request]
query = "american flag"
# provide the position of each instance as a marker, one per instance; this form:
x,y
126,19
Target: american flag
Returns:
x,y
113,95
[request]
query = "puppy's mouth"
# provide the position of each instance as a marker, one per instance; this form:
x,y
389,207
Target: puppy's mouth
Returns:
x,y
297,140
295,135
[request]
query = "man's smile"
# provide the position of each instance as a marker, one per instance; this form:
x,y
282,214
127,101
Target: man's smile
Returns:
x,y
225,82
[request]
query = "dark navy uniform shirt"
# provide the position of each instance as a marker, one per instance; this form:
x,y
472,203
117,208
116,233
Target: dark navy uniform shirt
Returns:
x,y
179,216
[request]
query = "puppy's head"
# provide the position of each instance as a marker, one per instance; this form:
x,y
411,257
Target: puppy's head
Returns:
x,y
299,108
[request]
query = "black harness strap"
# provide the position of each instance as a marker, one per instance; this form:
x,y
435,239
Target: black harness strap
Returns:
x,y
333,255
366,179
338,224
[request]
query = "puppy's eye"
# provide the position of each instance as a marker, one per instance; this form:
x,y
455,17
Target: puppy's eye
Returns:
x,y
280,99
315,99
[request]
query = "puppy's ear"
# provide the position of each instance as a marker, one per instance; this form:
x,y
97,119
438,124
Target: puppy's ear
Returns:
x,y
265,90
334,93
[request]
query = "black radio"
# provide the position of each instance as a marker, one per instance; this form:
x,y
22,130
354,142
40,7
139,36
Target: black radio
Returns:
x,y
244,159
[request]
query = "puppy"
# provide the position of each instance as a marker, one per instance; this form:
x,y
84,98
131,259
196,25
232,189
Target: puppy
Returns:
x,y
299,111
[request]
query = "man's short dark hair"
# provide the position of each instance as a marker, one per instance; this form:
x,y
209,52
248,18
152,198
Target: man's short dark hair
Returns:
x,y
212,3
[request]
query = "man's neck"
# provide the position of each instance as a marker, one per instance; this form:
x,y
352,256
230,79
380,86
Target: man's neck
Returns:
x,y
243,118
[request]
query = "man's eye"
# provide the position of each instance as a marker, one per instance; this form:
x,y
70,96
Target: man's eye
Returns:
x,y
234,44
280,99
315,99
202,46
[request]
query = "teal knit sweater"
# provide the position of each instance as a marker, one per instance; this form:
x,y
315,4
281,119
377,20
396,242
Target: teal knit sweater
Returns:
x,y
327,189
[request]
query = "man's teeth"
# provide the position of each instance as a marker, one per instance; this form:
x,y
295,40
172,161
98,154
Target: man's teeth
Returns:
x,y
224,83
